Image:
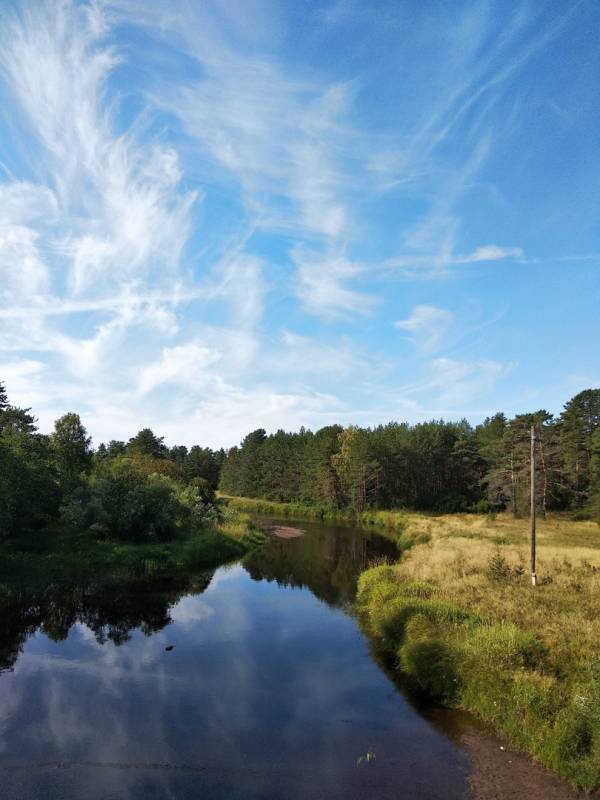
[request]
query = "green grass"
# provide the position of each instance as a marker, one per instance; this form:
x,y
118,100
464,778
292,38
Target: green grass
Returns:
x,y
461,620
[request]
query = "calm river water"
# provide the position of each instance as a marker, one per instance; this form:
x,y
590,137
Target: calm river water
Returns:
x,y
270,689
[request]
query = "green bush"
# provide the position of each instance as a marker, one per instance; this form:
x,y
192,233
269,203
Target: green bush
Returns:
x,y
498,568
128,505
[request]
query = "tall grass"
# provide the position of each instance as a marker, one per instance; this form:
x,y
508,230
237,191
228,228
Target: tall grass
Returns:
x,y
463,622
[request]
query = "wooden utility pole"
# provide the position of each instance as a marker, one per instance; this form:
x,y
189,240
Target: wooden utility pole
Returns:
x,y
533,575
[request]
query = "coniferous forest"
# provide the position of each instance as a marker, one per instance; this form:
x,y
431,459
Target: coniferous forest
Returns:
x,y
431,466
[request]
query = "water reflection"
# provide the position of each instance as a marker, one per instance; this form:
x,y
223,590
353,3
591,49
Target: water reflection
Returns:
x,y
111,609
328,560
267,693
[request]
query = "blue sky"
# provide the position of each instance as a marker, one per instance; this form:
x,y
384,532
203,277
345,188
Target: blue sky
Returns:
x,y
230,214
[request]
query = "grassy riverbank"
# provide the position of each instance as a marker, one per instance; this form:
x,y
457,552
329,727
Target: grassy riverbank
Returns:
x,y
460,618
386,520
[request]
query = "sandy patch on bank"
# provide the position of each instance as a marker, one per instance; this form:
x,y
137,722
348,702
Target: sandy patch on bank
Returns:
x,y
284,531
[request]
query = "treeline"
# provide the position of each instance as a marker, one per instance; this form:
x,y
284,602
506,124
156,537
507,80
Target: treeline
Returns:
x,y
433,466
142,490
138,490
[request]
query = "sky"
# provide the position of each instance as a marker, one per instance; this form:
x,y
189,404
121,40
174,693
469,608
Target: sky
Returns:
x,y
223,215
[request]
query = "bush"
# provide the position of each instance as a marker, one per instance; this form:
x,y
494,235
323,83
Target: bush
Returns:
x,y
128,505
498,568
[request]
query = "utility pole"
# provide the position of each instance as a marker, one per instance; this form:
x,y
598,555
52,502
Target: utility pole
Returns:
x,y
533,575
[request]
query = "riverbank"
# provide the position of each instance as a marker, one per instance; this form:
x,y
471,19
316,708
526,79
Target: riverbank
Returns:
x,y
461,619
58,555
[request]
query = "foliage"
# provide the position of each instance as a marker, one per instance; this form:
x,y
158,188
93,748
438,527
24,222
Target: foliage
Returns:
x,y
339,473
139,491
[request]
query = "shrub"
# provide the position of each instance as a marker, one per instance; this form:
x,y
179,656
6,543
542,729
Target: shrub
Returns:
x,y
132,506
498,568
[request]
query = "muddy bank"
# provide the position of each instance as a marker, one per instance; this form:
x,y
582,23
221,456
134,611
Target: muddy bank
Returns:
x,y
497,772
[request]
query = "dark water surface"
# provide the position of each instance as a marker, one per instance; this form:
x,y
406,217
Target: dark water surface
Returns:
x,y
270,691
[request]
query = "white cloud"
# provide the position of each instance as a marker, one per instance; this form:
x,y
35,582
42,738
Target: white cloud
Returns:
x,y
490,252
431,266
428,326
322,285
451,385
184,365
284,140
304,356
146,306
118,209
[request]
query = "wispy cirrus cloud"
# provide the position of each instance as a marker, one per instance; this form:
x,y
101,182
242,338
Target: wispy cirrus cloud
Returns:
x,y
427,326
119,207
324,285
454,383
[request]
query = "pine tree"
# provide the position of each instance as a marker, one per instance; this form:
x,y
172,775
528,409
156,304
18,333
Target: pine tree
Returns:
x,y
579,421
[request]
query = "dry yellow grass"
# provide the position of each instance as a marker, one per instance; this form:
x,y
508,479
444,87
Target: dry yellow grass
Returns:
x,y
564,609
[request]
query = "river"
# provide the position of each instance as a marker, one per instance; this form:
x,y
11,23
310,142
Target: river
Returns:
x,y
268,690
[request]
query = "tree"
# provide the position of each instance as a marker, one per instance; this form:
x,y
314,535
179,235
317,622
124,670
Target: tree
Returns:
x,y
71,447
201,462
579,421
3,399
178,453
356,468
595,475
28,493
13,418
115,448
250,464
146,443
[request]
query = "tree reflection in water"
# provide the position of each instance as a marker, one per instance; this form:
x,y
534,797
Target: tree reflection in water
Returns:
x,y
328,560
111,608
